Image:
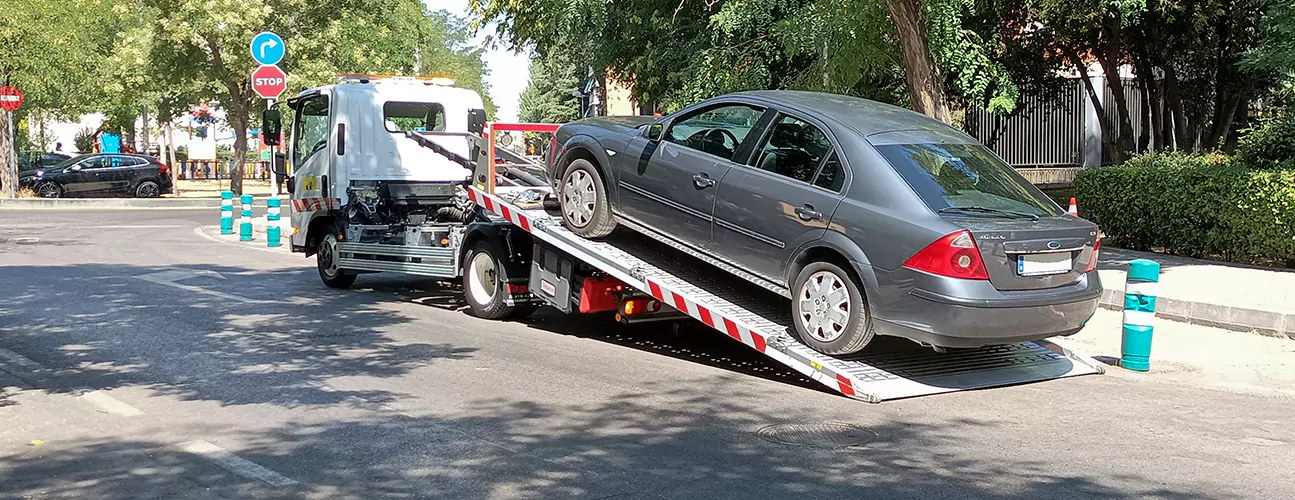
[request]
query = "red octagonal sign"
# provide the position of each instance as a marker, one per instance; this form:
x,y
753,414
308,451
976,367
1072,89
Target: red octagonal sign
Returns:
x,y
10,98
269,81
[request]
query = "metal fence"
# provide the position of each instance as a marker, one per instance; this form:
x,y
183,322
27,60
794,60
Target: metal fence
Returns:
x,y
1042,133
219,169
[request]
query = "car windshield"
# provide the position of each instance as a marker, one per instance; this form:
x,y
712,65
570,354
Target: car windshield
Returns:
x,y
951,177
57,166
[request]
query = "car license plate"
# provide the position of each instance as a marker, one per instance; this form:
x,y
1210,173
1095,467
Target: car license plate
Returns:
x,y
1040,264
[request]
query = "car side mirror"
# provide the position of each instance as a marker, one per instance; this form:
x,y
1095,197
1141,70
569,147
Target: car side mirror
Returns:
x,y
271,126
476,121
655,131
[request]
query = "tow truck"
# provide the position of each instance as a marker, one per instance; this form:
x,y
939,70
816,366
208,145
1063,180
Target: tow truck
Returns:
x,y
400,175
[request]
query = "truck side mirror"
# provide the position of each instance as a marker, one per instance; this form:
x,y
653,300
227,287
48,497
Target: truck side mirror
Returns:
x,y
476,121
271,123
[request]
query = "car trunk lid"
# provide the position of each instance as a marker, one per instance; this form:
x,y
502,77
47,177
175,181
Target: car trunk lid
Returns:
x,y
1025,254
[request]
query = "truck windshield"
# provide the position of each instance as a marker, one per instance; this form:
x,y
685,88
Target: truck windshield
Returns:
x,y
966,176
413,116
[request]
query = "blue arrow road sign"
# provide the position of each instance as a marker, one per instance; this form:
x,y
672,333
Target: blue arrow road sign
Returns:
x,y
267,48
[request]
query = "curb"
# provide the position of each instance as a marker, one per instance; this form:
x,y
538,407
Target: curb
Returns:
x,y
1266,323
212,204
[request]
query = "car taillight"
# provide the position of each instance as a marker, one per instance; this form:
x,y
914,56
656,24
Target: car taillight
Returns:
x,y
162,168
955,255
1092,263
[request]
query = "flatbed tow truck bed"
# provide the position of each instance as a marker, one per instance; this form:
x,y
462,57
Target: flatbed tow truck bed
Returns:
x,y
760,319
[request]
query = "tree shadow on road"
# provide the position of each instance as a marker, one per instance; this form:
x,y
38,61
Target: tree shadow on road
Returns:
x,y
660,440
199,346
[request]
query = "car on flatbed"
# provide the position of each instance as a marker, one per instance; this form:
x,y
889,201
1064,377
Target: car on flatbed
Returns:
x,y
871,218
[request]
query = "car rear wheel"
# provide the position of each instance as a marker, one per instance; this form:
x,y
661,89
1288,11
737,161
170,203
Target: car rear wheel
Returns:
x,y
830,311
326,260
583,199
484,288
49,189
148,189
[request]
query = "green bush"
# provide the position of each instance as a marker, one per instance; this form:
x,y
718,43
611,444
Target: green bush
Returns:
x,y
1270,145
1196,205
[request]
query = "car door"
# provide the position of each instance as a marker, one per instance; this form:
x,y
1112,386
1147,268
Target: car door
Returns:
x,y
671,189
119,175
785,197
83,178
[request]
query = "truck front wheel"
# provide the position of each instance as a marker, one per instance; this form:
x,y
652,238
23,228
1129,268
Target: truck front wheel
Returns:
x,y
483,286
326,259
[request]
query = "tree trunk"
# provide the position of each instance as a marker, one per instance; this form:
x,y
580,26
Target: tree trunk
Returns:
x,y
240,123
1124,142
1225,109
8,168
169,154
1175,102
925,85
1144,137
1102,121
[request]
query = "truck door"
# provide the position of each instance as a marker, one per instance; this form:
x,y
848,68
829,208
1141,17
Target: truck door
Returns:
x,y
310,161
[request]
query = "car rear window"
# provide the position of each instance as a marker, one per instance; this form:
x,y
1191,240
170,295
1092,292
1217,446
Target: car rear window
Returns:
x,y
965,175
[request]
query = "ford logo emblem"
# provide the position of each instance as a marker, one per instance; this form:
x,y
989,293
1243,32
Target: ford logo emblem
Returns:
x,y
1054,244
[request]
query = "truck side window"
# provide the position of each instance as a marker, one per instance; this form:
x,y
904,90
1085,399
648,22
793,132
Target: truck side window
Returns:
x,y
311,133
413,116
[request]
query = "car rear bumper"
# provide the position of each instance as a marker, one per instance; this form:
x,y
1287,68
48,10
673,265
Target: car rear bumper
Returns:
x,y
975,315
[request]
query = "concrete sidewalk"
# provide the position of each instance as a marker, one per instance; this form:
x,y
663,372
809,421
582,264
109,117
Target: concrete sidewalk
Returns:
x,y
1204,292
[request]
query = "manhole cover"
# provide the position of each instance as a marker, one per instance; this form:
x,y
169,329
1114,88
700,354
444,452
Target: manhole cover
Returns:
x,y
823,435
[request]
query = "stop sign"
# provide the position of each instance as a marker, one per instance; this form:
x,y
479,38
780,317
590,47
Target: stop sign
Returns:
x,y
269,81
10,98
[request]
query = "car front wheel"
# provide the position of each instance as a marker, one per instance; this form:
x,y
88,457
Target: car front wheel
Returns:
x,y
829,310
583,199
49,189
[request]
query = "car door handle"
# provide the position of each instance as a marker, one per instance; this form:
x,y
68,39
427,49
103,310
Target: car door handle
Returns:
x,y
702,181
807,213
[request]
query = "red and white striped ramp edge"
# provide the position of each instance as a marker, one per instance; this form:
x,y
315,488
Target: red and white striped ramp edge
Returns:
x,y
872,380
304,204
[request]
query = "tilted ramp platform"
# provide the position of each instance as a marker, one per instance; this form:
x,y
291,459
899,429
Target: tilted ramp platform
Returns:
x,y
762,320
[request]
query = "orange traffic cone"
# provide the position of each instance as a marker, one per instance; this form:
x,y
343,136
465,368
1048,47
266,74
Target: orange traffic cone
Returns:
x,y
1074,207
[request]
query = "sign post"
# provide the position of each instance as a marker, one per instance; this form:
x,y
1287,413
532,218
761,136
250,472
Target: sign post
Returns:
x,y
269,80
10,100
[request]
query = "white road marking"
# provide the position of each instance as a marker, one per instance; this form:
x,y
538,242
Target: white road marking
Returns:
x,y
112,405
282,250
169,278
235,463
20,360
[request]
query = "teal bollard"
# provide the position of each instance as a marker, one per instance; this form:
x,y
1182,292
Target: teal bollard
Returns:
x,y
226,212
272,222
245,222
1139,314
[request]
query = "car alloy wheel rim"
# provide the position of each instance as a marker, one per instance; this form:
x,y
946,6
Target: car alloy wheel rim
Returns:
x,y
578,197
147,190
48,190
326,261
823,306
484,279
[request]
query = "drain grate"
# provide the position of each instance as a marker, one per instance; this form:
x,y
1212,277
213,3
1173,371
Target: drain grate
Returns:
x,y
820,435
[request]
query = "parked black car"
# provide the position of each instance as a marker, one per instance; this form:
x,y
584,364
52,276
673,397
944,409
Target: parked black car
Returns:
x,y
873,219
101,175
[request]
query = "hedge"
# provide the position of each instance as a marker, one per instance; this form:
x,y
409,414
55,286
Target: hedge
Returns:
x,y
1196,205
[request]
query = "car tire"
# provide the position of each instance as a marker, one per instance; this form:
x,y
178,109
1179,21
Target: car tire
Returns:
x,y
148,189
326,261
49,189
824,295
582,196
483,287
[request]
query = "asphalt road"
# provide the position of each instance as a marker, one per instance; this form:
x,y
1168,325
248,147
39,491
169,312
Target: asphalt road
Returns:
x,y
141,360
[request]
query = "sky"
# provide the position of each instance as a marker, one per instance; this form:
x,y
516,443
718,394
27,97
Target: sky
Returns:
x,y
509,72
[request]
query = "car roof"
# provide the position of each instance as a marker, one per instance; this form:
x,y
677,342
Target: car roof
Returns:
x,y
863,116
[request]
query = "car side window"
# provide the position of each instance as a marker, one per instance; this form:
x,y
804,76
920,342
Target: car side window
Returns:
x,y
793,148
718,131
832,175
93,163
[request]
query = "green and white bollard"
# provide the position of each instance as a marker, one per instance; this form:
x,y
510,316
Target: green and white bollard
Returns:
x,y
245,222
226,212
272,221
1139,314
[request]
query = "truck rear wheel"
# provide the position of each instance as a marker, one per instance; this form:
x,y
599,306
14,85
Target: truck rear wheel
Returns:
x,y
326,259
483,286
